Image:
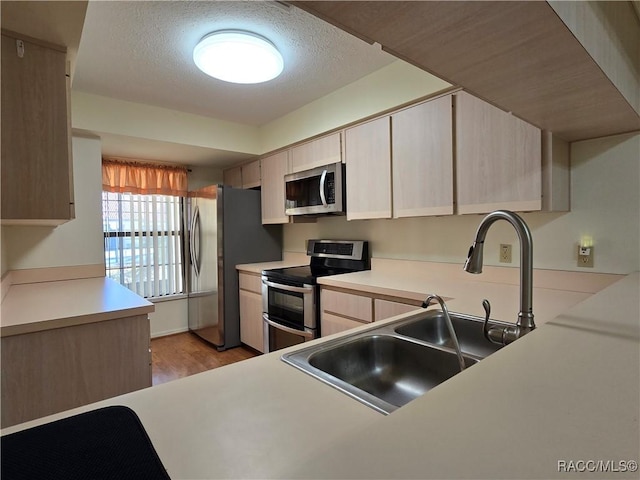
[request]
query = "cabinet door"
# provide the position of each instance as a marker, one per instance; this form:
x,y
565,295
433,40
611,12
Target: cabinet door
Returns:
x,y
36,154
233,177
368,159
422,151
316,153
331,324
498,159
387,309
51,371
251,175
273,170
251,330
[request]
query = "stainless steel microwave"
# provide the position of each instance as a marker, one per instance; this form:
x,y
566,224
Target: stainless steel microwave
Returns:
x,y
316,191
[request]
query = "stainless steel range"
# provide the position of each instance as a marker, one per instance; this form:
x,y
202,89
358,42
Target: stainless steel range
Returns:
x,y
291,296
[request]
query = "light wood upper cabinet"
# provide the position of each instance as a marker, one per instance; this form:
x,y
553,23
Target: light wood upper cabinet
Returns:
x,y
243,176
233,177
316,153
273,169
564,78
251,174
556,174
368,160
37,179
422,159
498,159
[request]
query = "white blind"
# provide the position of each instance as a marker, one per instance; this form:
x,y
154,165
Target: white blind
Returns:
x,y
143,242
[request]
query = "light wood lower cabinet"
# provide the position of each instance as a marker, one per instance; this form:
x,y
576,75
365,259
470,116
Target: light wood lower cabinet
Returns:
x,y
54,370
349,305
384,309
335,324
343,310
251,325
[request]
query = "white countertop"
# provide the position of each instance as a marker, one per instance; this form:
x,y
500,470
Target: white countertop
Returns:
x,y
567,391
33,307
554,292
259,267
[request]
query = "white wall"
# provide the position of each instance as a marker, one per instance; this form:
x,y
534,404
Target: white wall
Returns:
x,y
107,115
169,317
605,197
203,176
393,85
78,242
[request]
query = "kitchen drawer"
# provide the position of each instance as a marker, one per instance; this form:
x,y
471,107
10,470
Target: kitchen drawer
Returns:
x,y
331,324
250,282
356,307
387,309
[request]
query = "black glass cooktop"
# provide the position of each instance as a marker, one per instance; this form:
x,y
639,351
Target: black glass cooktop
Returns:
x,y
302,274
327,257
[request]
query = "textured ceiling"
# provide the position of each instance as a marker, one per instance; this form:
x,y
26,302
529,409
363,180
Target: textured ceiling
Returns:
x,y
142,52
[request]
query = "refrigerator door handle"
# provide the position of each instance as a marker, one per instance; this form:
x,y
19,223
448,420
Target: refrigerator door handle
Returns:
x,y
194,241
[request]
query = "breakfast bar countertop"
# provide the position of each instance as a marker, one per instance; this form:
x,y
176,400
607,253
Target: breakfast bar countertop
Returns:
x,y
34,307
567,391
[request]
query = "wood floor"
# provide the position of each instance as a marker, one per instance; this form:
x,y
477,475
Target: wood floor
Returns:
x,y
184,354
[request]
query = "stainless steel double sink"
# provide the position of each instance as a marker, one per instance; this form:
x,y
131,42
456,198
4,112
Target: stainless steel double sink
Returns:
x,y
386,367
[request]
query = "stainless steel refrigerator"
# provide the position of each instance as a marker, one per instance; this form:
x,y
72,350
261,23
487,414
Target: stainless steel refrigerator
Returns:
x,y
225,229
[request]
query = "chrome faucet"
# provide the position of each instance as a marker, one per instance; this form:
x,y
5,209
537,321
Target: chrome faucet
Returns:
x,y
447,318
525,324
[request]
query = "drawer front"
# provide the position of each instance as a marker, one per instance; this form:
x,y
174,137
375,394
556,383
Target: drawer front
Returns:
x,y
251,283
331,324
348,305
387,309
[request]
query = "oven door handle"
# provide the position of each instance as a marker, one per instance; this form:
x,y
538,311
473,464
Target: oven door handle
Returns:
x,y
293,331
287,288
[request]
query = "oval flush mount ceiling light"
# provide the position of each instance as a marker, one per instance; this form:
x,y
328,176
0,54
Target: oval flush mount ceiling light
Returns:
x,y
238,56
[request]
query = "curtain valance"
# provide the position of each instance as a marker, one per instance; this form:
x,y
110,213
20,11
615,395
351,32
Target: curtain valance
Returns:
x,y
125,175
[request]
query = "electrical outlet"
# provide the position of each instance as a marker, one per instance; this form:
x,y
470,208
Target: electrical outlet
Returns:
x,y
505,253
585,256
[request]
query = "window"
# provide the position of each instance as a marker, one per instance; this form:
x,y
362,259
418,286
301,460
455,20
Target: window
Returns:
x,y
143,242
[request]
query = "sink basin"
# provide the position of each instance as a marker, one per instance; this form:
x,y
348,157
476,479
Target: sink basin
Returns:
x,y
386,367
391,369
432,328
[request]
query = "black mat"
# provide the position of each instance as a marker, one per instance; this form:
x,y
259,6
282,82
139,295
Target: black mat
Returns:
x,y
109,443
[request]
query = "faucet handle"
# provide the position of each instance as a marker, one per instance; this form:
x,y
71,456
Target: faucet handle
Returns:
x,y
487,312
